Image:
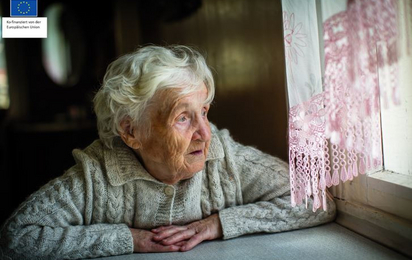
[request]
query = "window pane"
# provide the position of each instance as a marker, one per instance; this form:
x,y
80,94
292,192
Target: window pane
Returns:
x,y
397,120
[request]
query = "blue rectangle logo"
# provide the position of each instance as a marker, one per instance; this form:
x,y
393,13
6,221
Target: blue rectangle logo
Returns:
x,y
26,8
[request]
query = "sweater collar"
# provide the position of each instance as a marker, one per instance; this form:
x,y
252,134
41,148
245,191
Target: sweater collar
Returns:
x,y
122,165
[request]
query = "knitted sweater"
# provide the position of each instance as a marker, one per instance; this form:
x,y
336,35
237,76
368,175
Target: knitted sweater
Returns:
x,y
87,211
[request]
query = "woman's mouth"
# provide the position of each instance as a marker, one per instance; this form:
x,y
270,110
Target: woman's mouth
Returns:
x,y
197,152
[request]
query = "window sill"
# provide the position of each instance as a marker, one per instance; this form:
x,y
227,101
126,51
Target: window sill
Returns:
x,y
378,205
390,192
391,182
377,225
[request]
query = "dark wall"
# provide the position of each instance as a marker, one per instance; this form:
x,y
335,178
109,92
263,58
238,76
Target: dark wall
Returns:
x,y
46,121
242,41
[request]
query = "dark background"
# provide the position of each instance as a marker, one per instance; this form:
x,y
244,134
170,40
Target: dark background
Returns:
x,y
241,39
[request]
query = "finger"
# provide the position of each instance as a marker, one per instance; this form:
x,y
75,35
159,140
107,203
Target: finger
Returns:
x,y
180,236
161,248
161,228
168,232
194,241
181,243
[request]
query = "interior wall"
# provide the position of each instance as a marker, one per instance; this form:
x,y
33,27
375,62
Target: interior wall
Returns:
x,y
46,121
243,44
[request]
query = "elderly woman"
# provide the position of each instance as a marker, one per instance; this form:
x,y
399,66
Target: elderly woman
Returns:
x,y
160,178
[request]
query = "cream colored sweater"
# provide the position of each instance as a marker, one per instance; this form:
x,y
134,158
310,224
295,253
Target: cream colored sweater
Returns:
x,y
87,211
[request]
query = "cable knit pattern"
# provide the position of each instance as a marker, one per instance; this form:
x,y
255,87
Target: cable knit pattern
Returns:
x,y
86,212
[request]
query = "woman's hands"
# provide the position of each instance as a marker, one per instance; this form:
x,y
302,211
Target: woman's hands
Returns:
x,y
187,237
177,238
143,242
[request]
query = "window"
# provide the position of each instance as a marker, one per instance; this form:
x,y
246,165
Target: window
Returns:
x,y
378,205
397,120
4,88
396,178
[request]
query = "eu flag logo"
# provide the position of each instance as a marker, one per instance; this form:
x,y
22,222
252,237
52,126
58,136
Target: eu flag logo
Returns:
x,y
23,8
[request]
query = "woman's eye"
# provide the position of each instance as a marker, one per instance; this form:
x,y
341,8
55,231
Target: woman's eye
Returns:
x,y
204,112
182,119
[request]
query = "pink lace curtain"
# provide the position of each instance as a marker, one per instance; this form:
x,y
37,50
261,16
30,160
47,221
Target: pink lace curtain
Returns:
x,y
334,50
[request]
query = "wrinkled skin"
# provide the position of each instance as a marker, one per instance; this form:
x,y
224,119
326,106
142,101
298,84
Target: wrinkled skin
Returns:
x,y
175,150
177,238
187,237
179,137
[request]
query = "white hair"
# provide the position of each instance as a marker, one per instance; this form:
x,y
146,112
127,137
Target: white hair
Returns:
x,y
132,80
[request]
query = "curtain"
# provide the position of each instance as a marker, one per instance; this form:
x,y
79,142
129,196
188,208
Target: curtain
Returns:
x,y
336,53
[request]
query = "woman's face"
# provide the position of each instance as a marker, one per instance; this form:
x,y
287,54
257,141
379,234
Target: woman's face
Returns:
x,y
179,140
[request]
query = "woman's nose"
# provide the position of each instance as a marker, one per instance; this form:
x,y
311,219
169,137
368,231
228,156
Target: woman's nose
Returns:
x,y
202,131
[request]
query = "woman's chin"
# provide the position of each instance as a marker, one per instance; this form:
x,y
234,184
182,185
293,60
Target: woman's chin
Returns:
x,y
184,173
192,171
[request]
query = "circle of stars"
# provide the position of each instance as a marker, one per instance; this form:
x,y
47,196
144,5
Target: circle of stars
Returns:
x,y
23,4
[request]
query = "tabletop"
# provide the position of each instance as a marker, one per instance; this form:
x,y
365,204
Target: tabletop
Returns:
x,y
329,241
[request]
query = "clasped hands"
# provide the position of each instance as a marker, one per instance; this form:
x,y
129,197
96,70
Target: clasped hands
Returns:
x,y
177,238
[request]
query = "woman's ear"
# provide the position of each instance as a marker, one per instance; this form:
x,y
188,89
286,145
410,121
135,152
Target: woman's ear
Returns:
x,y
128,133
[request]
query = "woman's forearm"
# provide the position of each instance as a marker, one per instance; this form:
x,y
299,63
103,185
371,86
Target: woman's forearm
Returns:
x,y
72,242
271,216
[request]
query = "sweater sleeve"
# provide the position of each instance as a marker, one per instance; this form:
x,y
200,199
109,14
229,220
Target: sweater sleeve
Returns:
x,y
55,223
265,191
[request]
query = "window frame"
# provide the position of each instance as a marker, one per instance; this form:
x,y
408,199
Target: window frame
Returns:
x,y
378,204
